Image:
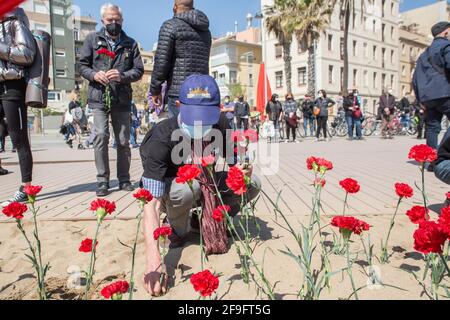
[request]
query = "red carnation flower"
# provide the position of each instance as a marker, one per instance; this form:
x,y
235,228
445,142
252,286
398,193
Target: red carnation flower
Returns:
x,y
236,181
444,221
448,195
143,195
318,164
32,191
187,174
86,245
349,225
208,161
115,290
162,232
219,212
403,190
205,283
106,52
418,214
423,153
102,207
429,238
15,210
350,185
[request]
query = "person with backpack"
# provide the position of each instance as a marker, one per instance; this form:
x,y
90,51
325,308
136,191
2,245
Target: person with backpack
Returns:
x,y
17,53
353,115
321,111
308,115
431,82
274,111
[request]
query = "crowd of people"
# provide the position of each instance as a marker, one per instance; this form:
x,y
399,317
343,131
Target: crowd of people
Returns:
x,y
180,80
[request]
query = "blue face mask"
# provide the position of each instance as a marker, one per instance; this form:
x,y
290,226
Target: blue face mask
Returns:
x,y
196,132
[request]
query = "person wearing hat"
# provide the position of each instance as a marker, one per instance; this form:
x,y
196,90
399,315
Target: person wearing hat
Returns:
x,y
166,148
431,82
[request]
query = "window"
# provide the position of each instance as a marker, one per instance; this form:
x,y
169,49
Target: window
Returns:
x,y
383,80
374,26
54,96
383,32
59,31
342,48
233,77
365,23
330,74
279,79
375,80
355,45
403,49
301,76
366,78
40,8
250,80
355,77
374,53
76,34
342,75
60,52
330,42
278,51
58,11
215,75
392,33
61,73
392,81
393,8
393,57
366,50
301,47
403,71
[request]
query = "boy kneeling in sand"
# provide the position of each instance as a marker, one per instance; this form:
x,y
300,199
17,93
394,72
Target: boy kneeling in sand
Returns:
x,y
164,150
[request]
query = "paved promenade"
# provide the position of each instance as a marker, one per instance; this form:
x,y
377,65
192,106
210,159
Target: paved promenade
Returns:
x,y
69,178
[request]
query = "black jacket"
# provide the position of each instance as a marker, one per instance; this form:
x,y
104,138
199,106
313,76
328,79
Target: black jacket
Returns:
x,y
350,102
184,47
241,109
274,110
308,108
128,62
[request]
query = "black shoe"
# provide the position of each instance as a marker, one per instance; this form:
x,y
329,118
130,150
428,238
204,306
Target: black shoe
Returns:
x,y
3,172
2,150
19,196
126,186
103,189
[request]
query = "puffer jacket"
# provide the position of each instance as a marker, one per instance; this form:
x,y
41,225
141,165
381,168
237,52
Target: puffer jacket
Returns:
x,y
128,62
17,45
184,46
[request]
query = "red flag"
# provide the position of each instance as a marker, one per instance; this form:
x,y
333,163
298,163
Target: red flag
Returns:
x,y
264,92
8,6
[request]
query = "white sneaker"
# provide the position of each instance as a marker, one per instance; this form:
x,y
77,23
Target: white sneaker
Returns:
x,y
19,196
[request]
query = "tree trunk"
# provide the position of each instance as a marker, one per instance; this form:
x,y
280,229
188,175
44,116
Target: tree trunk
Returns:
x,y
311,72
346,62
287,65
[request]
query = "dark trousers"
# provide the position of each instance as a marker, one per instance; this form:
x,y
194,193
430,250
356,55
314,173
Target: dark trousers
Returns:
x,y
242,123
15,112
420,126
433,119
322,126
353,123
290,129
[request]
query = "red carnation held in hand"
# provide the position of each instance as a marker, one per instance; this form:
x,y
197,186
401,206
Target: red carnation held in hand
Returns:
x,y
86,245
205,283
423,154
162,233
15,210
220,212
106,52
418,214
403,190
349,225
187,174
115,290
236,181
143,195
429,238
350,185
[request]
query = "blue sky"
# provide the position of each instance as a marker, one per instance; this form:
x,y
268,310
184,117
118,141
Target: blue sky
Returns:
x,y
144,17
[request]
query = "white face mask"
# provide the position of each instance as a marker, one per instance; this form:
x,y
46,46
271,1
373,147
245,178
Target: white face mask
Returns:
x,y
196,132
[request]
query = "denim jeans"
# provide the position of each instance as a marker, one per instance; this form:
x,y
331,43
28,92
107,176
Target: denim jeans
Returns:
x,y
312,125
434,114
353,123
172,106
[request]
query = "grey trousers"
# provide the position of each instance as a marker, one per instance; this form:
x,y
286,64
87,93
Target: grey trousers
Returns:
x,y
121,123
179,200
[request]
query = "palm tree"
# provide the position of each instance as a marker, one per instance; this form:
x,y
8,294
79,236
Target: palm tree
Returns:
x,y
312,16
278,23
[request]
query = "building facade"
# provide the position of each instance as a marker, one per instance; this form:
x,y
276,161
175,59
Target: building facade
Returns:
x,y
148,59
55,17
373,47
84,25
236,60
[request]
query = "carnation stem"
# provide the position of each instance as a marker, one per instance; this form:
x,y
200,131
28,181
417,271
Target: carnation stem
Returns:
x,y
384,252
41,272
349,269
90,274
345,203
139,218
424,194
200,216
444,261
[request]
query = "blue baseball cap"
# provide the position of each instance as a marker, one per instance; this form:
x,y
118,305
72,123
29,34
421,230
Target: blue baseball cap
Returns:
x,y
200,100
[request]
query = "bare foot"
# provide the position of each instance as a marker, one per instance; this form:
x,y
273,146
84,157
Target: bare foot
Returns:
x,y
153,283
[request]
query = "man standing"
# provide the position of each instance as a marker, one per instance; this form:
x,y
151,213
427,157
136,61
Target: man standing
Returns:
x,y
387,111
432,82
117,73
228,110
242,113
184,47
308,115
